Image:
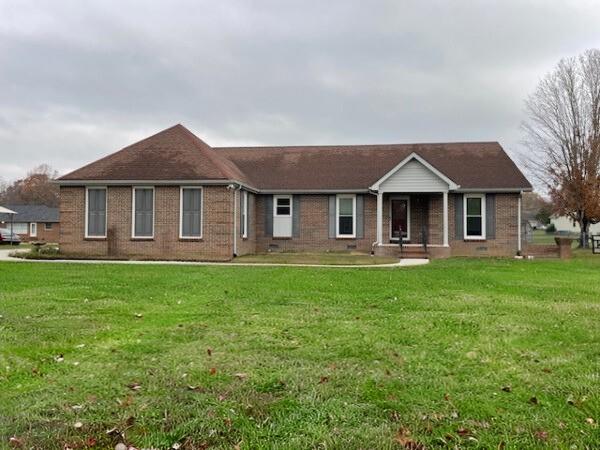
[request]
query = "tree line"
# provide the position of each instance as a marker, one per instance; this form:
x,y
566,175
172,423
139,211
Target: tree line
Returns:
x,y
37,188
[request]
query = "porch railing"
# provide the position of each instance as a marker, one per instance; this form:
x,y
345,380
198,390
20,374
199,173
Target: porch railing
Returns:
x,y
400,239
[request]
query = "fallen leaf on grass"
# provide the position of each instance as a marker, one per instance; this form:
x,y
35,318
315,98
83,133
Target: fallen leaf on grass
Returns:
x,y
541,435
127,402
134,386
138,316
590,421
506,388
463,432
78,425
324,380
533,400
15,442
90,442
213,370
59,358
209,351
196,388
241,375
403,438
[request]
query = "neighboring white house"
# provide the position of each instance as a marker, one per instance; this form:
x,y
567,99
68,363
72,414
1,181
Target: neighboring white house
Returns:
x,y
564,223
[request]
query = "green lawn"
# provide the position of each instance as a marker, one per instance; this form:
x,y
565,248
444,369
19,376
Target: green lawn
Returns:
x,y
456,354
333,258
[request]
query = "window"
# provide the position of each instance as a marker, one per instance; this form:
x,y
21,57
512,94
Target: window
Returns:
x,y
33,229
143,212
190,217
95,213
48,226
244,214
474,224
283,206
346,216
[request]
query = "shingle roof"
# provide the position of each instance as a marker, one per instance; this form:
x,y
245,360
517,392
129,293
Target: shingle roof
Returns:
x,y
470,165
177,154
172,154
31,213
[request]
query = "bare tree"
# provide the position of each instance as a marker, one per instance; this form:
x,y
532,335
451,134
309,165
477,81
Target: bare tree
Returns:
x,y
563,134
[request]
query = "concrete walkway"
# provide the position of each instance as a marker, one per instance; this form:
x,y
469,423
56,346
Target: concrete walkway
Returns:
x,y
4,256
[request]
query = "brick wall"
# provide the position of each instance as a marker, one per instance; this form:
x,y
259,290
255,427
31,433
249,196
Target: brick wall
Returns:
x,y
216,243
505,243
314,227
247,245
52,235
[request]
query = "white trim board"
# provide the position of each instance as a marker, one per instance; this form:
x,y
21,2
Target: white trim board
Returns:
x,y
399,197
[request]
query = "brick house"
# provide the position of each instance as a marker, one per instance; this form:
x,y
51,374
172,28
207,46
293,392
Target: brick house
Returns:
x,y
33,222
172,196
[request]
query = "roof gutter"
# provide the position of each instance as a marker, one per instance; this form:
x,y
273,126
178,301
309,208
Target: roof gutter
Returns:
x,y
492,190
221,182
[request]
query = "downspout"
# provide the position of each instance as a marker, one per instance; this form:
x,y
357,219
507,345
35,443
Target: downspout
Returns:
x,y
519,224
376,243
235,224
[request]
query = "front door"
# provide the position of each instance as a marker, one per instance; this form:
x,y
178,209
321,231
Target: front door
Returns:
x,y
399,218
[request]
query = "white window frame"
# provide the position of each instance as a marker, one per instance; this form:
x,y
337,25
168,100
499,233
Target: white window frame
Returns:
x,y
33,229
337,216
181,189
244,213
400,197
275,199
87,189
483,218
133,189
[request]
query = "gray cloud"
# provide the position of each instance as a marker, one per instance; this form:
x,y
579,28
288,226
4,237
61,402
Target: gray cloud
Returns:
x,y
82,79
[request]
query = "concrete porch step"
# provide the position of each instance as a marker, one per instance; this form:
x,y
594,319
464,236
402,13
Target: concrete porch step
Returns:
x,y
413,253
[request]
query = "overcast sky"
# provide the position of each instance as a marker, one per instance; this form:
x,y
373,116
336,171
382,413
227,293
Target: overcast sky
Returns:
x,y
81,79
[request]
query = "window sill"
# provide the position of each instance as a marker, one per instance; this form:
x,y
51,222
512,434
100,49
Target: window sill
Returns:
x,y
475,239
190,239
346,237
281,238
142,238
92,238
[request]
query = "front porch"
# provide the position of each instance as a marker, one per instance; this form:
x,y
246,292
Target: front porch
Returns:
x,y
420,219
412,209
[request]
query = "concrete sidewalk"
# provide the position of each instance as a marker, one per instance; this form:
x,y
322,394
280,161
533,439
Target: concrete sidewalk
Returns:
x,y
4,256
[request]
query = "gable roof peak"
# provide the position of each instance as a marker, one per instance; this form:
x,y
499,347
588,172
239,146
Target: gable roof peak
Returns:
x,y
174,153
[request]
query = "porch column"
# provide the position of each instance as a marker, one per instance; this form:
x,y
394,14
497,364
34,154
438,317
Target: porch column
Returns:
x,y
445,218
519,224
379,218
